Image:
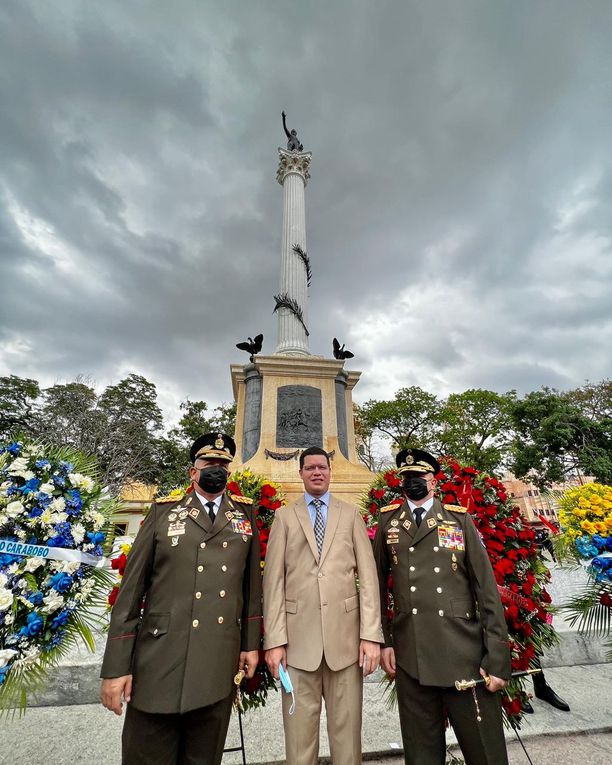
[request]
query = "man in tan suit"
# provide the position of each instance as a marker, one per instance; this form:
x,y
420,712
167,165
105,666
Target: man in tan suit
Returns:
x,y
323,630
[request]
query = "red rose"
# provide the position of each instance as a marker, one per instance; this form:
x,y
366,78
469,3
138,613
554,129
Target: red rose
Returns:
x,y
378,493
112,597
233,488
268,491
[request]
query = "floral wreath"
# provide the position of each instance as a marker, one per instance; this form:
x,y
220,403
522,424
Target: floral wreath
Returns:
x,y
586,521
519,571
53,525
267,497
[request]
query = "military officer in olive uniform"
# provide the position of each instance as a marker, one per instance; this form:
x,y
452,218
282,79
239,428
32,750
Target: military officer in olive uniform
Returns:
x,y
187,618
449,623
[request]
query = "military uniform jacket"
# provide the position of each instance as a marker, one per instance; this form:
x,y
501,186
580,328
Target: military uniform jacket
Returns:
x,y
449,620
201,586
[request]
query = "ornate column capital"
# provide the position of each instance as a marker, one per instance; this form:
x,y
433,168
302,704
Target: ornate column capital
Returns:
x,y
297,162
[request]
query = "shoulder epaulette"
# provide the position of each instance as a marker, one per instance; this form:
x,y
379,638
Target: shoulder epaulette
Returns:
x,y
175,496
392,506
456,508
240,498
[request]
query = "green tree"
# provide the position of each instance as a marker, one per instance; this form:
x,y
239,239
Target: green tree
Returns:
x,y
554,439
476,427
411,418
593,399
18,397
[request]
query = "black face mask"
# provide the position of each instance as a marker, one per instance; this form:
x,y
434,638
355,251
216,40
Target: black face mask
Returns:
x,y
212,479
415,488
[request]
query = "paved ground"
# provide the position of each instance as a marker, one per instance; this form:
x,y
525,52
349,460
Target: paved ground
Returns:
x,y
586,749
71,735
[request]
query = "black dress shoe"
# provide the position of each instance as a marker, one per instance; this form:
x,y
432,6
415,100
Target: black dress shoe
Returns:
x,y
526,707
546,693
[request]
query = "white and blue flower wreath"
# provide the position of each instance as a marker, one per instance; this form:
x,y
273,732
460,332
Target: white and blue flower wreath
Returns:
x,y
53,585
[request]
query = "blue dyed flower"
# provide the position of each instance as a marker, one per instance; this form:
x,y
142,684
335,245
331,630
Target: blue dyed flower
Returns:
x,y
33,625
74,503
60,620
56,639
36,598
66,467
59,480
31,486
61,582
63,536
95,537
35,512
43,499
3,671
42,464
585,547
14,448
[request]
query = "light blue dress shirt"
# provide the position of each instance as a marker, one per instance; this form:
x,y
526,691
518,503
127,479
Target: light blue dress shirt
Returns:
x,y
311,508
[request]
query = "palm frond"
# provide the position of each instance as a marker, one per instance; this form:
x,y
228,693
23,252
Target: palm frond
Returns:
x,y
305,260
586,610
284,300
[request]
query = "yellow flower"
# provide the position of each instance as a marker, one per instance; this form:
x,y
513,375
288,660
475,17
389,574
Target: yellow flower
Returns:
x,y
588,527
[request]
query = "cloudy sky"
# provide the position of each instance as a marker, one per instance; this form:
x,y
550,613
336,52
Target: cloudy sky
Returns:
x,y
459,215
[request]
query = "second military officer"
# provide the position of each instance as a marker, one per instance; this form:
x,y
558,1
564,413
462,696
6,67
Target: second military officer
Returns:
x,y
187,618
448,625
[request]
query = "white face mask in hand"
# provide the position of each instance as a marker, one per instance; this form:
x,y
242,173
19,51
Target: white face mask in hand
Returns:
x,y
287,686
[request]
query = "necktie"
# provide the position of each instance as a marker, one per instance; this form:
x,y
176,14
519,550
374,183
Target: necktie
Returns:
x,y
319,525
419,512
211,511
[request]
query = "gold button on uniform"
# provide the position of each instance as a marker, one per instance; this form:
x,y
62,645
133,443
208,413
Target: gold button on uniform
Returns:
x,y
436,549
441,612
220,620
436,570
198,595
195,623
415,611
412,568
200,569
413,589
225,544
202,545
155,631
438,589
222,594
411,549
223,568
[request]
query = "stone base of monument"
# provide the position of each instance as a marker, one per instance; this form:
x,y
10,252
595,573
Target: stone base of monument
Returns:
x,y
288,403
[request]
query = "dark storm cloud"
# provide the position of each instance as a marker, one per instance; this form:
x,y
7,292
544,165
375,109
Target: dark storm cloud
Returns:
x,y
457,217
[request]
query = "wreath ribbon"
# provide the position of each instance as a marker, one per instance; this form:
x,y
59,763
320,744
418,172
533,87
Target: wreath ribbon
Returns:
x,y
10,547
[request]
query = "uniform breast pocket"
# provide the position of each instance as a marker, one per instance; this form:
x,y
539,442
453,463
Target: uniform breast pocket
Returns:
x,y
156,625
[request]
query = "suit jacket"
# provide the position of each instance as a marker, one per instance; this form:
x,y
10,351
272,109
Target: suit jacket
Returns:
x,y
201,585
449,620
313,606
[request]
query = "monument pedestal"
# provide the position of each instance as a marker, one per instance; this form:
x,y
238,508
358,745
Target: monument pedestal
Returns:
x,y
288,403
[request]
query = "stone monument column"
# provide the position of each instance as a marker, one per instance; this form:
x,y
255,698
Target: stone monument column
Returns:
x,y
293,174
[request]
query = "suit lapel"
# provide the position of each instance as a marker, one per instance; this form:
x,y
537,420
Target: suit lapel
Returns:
x,y
333,516
303,517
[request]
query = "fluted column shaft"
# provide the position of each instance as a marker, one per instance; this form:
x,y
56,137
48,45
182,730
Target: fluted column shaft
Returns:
x,y
293,175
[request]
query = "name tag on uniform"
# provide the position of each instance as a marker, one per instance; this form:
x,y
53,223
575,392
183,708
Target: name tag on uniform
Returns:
x,y
178,527
392,536
450,537
242,527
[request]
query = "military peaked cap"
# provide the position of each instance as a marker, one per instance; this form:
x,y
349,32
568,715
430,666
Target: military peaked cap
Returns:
x,y
416,461
213,446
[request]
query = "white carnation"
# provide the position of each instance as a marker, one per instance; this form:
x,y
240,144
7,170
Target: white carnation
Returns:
x,y
57,518
81,481
97,519
78,533
52,602
58,505
13,509
6,655
18,466
6,599
47,488
68,566
33,563
9,619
